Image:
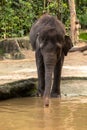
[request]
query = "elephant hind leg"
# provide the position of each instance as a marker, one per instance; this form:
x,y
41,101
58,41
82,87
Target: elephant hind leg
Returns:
x,y
41,73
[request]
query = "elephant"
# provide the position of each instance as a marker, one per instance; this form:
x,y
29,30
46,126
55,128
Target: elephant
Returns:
x,y
51,44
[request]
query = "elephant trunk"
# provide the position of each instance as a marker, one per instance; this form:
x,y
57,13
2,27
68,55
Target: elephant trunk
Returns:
x,y
49,68
48,82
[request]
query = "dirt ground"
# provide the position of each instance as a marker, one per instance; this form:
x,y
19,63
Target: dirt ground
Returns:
x,y
75,65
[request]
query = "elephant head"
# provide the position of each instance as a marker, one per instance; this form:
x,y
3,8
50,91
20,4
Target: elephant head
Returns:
x,y
48,38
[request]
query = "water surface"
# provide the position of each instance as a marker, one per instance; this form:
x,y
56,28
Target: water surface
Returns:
x,y
30,114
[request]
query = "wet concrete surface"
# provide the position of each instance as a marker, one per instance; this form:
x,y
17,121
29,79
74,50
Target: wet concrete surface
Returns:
x,y
74,69
75,65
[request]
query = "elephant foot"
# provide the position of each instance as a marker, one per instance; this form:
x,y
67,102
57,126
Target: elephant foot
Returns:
x,y
55,95
40,93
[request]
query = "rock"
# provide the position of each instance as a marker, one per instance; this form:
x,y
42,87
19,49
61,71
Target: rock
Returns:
x,y
18,55
9,49
22,88
7,56
24,43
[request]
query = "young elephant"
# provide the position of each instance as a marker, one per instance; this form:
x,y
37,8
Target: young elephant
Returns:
x,y
48,39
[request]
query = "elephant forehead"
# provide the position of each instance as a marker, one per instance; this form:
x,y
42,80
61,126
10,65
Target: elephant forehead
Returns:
x,y
51,33
51,49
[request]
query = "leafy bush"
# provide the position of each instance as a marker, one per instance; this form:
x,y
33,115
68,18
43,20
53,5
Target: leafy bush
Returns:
x,y
17,16
82,15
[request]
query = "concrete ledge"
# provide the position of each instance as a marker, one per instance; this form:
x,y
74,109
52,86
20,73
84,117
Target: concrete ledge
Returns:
x,y
73,78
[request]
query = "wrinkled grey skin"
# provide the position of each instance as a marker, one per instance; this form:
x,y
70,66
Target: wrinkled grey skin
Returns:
x,y
48,39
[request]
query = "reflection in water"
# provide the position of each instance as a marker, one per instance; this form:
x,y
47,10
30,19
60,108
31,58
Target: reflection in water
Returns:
x,y
29,114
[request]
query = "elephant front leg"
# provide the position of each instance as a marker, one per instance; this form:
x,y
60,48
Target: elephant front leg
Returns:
x,y
41,73
57,79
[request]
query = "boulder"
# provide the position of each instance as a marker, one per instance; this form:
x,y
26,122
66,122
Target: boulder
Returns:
x,y
21,88
9,49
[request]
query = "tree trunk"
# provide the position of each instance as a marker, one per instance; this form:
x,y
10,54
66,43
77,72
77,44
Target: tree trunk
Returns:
x,y
74,49
72,19
44,4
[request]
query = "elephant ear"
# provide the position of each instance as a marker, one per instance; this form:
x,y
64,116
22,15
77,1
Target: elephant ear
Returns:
x,y
68,45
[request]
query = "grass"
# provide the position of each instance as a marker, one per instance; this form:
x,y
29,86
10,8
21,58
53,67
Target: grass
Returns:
x,y
83,36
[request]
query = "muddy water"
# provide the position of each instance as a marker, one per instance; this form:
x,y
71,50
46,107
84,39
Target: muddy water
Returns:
x,y
29,114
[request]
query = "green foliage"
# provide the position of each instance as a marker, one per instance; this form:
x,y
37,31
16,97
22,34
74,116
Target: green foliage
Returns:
x,y
81,9
83,36
38,7
17,16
